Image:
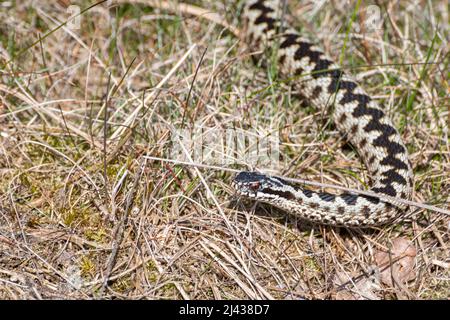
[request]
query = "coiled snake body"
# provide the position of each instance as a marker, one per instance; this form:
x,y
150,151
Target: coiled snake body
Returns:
x,y
356,116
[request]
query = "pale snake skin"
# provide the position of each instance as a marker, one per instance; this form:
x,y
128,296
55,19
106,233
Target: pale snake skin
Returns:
x,y
358,117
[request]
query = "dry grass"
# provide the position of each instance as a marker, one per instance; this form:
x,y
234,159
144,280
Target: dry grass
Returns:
x,y
73,216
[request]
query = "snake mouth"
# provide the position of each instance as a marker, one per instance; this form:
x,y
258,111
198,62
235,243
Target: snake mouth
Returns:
x,y
250,184
244,189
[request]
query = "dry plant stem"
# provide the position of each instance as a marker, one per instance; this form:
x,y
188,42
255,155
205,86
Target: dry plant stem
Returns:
x,y
316,184
187,9
132,117
119,229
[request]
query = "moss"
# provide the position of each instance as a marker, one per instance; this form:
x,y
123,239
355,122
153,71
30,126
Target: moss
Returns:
x,y
169,290
77,215
97,234
311,265
123,285
87,266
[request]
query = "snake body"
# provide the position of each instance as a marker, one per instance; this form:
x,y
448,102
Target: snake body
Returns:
x,y
357,117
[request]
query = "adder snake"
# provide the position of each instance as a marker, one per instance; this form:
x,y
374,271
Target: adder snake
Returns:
x,y
356,115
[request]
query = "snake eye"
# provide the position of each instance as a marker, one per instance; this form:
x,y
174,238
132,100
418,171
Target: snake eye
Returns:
x,y
254,186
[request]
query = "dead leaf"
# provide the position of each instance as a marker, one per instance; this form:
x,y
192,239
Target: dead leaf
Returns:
x,y
352,288
397,263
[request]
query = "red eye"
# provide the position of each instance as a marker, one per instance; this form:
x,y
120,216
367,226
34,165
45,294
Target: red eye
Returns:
x,y
254,185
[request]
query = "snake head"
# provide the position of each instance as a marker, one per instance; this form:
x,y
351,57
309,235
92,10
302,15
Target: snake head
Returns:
x,y
257,186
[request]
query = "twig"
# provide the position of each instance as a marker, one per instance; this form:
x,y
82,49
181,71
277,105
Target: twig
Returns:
x,y
174,7
317,184
118,232
105,132
192,86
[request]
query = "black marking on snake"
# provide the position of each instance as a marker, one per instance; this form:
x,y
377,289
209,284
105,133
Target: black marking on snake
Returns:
x,y
299,72
373,200
392,149
317,90
326,196
284,194
307,193
393,176
336,82
394,162
305,51
290,39
374,124
388,190
363,143
269,21
362,100
314,205
348,85
260,6
350,199
342,118
366,211
263,17
322,65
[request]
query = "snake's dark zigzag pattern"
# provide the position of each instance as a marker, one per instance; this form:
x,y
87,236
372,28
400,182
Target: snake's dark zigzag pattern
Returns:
x,y
356,115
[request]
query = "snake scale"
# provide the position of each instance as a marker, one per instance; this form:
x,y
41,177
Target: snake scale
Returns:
x,y
358,117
